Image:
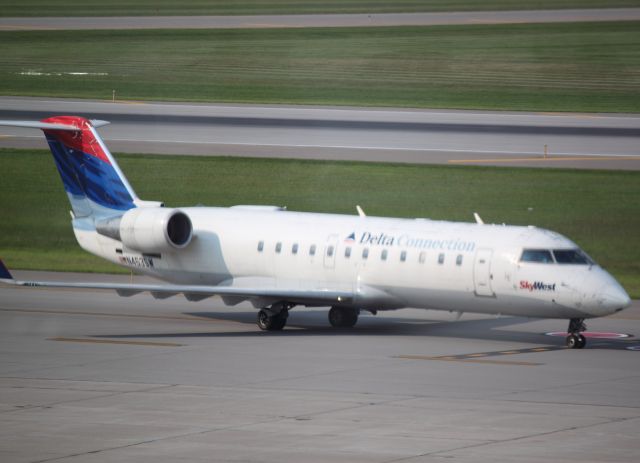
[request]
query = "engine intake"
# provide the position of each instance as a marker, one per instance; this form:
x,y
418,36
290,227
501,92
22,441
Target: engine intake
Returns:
x,y
149,229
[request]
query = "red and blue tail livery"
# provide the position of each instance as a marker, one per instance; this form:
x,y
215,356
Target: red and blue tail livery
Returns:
x,y
94,183
89,172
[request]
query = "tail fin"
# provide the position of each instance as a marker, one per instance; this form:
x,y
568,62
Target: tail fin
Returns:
x,y
94,183
92,179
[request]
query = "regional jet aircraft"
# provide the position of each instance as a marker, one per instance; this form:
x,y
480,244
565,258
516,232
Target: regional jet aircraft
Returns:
x,y
277,259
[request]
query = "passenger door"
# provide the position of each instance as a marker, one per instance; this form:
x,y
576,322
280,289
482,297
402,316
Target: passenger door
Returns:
x,y
482,273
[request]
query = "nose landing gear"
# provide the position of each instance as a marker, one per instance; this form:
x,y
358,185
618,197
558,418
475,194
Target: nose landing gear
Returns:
x,y
575,340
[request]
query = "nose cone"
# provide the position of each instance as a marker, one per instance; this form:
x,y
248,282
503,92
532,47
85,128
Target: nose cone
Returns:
x,y
615,298
602,294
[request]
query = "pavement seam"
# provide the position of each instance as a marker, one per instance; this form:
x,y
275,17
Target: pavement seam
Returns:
x,y
444,453
207,431
572,385
70,401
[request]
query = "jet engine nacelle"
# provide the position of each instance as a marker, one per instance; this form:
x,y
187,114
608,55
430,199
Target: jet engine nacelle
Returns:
x,y
155,229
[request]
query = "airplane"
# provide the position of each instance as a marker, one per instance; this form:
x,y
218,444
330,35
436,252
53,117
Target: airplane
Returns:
x,y
278,259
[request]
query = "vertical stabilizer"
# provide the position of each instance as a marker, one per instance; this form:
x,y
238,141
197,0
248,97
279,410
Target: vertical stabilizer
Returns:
x,y
92,179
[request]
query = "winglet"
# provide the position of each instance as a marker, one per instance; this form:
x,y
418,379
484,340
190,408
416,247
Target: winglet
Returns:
x,y
4,272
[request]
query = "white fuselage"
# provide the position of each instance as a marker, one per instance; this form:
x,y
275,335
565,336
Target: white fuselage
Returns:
x,y
386,263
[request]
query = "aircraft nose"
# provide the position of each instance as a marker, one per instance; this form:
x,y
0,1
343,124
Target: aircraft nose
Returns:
x,y
603,295
615,298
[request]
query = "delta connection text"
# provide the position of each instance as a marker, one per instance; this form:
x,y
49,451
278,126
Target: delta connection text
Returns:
x,y
408,241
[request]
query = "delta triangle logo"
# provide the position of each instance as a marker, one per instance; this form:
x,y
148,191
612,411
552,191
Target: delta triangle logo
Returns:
x,y
351,238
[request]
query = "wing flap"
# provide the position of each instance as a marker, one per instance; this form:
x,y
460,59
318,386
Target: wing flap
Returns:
x,y
127,292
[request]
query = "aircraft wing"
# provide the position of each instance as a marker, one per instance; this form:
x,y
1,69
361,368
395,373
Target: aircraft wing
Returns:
x,y
259,291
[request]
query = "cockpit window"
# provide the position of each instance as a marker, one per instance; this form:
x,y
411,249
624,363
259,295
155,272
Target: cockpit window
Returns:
x,y
571,256
541,256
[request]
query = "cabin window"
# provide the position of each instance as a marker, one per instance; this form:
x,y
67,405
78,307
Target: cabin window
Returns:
x,y
294,248
260,246
384,254
312,250
441,258
541,256
572,256
278,247
347,252
403,256
329,251
365,253
459,260
422,257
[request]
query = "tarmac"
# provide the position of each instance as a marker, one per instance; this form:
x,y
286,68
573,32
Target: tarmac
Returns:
x,y
89,376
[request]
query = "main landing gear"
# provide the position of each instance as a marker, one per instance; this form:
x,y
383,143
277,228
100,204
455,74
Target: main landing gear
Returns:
x,y
274,318
343,317
575,340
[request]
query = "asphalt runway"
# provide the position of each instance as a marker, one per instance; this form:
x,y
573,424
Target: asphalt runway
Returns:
x,y
321,20
88,376
606,141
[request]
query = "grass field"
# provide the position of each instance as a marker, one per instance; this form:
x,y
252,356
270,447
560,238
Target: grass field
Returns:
x,y
548,67
597,209
226,7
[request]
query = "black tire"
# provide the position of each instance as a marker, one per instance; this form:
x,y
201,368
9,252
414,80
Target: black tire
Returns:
x,y
279,321
573,341
343,317
265,320
269,322
582,341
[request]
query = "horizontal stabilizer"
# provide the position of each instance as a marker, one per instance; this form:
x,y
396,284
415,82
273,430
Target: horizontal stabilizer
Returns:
x,y
4,272
51,125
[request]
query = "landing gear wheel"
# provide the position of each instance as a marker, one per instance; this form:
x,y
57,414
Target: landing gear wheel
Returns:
x,y
343,317
279,321
268,321
572,341
575,340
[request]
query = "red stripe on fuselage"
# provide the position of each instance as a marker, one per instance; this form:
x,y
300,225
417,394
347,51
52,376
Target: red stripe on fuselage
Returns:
x,y
82,140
